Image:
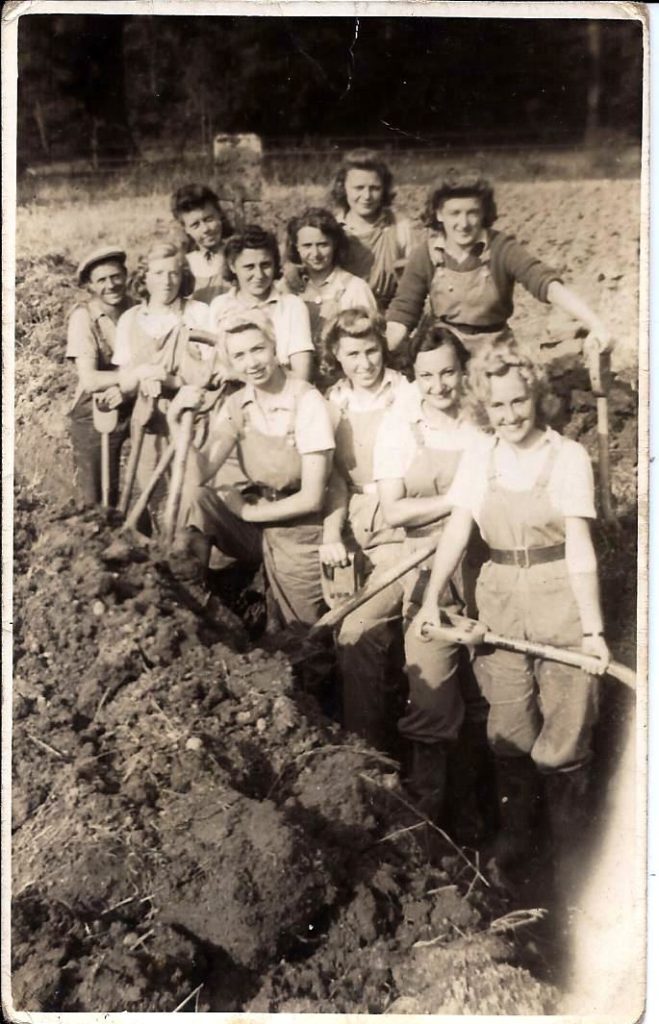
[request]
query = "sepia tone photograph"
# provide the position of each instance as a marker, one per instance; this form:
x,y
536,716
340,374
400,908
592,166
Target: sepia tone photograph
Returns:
x,y
325,515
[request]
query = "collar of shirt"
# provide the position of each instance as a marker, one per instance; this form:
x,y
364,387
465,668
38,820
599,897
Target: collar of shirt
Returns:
x,y
343,392
283,401
97,310
509,457
249,302
479,252
332,278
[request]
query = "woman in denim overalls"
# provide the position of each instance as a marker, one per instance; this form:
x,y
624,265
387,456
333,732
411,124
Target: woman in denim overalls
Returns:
x,y
464,274
531,493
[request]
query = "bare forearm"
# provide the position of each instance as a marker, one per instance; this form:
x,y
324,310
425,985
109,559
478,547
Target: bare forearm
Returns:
x,y
300,504
396,335
585,587
450,550
567,300
98,380
416,511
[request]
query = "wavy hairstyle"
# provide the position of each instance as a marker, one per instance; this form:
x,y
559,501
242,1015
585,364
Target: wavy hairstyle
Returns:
x,y
460,185
160,251
325,222
194,197
355,323
431,335
496,359
252,236
362,160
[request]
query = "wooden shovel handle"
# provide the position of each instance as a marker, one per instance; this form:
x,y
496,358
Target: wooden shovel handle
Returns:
x,y
377,582
105,469
183,443
142,501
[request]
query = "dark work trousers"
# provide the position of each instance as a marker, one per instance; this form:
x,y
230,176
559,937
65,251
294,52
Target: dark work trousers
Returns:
x,y
86,442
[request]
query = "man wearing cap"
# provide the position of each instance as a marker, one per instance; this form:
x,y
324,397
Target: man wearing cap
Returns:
x,y
90,341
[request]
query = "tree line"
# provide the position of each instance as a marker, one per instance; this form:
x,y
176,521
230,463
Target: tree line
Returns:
x,y
115,84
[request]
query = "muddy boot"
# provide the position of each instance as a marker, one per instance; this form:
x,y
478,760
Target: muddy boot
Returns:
x,y
189,556
427,782
468,763
516,796
569,812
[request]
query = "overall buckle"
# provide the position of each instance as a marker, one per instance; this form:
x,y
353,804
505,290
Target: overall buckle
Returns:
x,y
521,558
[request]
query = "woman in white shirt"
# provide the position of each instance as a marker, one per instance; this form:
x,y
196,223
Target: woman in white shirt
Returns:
x,y
355,349
252,266
531,493
417,452
155,332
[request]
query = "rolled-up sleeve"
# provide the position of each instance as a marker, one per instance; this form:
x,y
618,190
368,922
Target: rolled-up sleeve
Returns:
x,y
314,431
520,265
79,335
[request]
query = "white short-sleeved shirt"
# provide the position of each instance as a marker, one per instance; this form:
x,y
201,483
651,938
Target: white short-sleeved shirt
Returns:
x,y
343,397
571,485
341,290
271,414
191,313
396,446
287,313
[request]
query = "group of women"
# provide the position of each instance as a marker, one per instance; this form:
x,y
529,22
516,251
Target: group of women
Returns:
x,y
314,454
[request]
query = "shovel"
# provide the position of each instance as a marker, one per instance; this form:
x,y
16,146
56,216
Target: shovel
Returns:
x,y
463,630
142,413
105,421
598,371
143,500
182,447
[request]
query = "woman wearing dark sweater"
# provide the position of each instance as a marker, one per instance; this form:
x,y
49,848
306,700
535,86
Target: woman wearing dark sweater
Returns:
x,y
465,273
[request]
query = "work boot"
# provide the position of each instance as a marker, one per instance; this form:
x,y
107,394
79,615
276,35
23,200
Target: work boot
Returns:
x,y
570,813
189,556
516,797
427,781
468,764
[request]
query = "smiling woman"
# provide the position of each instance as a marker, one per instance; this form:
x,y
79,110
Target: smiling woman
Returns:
x,y
466,271
280,428
252,267
530,491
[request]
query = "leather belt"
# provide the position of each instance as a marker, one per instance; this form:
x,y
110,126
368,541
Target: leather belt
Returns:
x,y
525,557
475,328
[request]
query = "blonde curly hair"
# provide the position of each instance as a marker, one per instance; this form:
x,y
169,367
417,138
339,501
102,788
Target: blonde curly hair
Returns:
x,y
496,359
159,251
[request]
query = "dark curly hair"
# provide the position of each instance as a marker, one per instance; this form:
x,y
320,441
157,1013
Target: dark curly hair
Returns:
x,y
252,236
356,323
194,197
324,221
431,335
459,185
362,160
496,359
160,251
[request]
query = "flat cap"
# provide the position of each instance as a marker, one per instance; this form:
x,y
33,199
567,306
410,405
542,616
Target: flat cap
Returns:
x,y
92,259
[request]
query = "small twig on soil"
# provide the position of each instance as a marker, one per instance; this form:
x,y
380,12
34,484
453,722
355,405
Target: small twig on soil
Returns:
x,y
440,888
47,746
402,831
442,833
420,943
517,919
188,998
141,940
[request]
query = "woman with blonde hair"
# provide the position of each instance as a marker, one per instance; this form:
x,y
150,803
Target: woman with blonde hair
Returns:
x,y
530,491
157,331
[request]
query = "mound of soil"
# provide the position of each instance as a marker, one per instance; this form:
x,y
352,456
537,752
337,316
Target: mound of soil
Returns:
x,y
184,815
